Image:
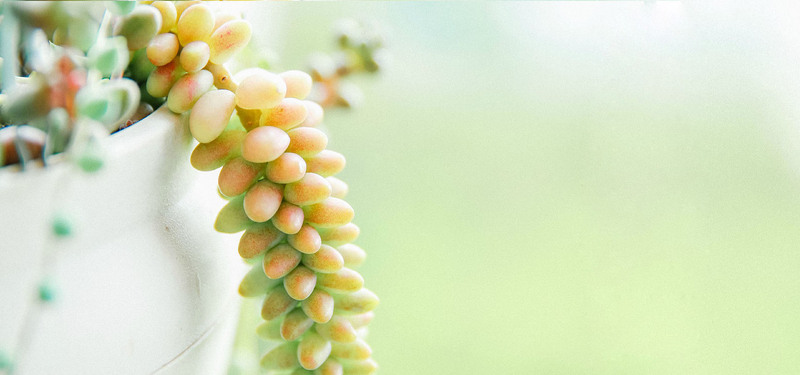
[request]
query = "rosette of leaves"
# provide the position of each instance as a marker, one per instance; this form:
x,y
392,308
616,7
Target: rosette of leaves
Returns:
x,y
63,88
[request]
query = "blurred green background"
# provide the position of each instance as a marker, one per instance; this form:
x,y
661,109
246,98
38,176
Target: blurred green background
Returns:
x,y
584,188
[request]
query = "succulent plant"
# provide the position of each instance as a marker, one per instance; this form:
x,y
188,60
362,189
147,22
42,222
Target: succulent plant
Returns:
x,y
74,74
361,50
63,88
278,178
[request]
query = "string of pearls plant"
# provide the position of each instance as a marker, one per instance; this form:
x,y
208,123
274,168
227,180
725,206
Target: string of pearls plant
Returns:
x,y
280,181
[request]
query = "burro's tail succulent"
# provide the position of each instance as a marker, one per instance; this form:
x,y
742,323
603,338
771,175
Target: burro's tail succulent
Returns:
x,y
297,230
280,183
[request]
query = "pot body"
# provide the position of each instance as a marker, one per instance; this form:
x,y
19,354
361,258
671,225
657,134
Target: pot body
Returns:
x,y
142,285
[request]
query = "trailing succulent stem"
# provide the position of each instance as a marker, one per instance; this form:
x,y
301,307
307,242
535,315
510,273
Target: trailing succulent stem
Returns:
x,y
279,180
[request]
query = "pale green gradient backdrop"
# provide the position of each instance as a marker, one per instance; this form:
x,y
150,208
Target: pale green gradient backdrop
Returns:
x,y
590,188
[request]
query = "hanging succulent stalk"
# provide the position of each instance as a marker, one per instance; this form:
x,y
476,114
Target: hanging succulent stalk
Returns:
x,y
280,183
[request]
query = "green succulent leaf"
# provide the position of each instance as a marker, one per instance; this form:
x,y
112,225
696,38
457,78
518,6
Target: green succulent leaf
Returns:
x,y
110,102
120,8
26,101
140,66
82,34
58,126
110,57
139,26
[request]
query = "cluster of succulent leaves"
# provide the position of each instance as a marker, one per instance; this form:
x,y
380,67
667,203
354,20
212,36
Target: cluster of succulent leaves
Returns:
x,y
278,178
62,85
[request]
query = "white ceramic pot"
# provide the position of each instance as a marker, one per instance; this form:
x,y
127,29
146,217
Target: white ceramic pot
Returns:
x,y
143,286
